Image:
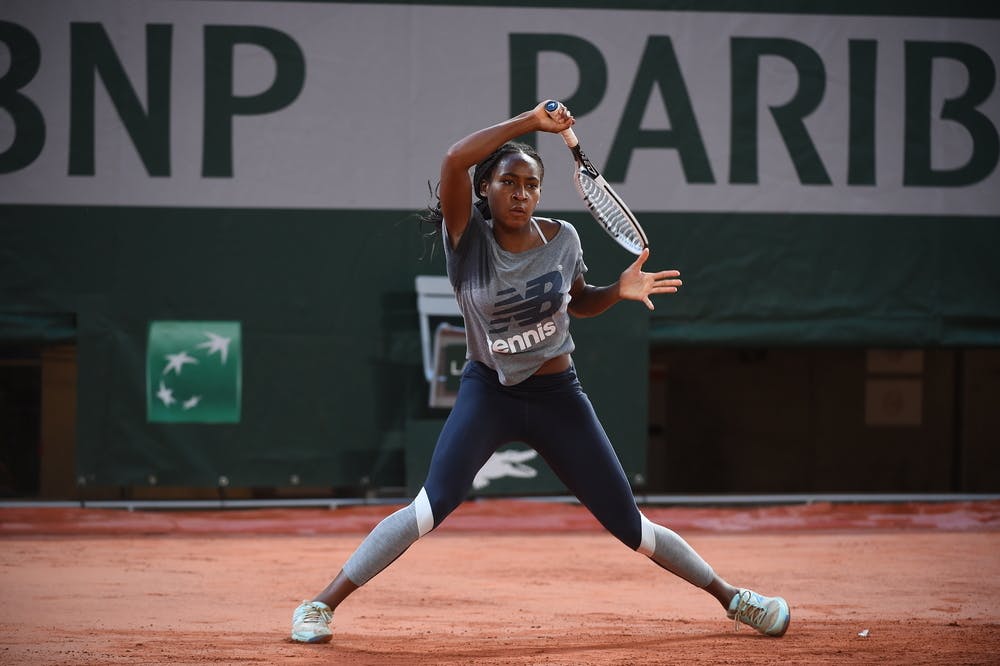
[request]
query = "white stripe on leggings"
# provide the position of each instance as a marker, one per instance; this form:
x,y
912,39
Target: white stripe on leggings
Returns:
x,y
425,516
647,546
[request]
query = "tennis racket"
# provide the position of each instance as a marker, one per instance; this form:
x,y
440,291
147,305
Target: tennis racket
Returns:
x,y
604,203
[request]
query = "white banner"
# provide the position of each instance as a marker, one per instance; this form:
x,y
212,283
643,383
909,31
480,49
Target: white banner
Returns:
x,y
385,89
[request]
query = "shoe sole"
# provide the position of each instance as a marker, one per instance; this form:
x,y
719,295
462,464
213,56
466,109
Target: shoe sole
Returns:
x,y
312,639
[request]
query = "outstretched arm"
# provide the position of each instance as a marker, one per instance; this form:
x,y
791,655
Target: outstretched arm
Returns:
x,y
633,285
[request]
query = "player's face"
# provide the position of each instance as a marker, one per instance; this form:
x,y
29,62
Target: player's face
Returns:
x,y
514,188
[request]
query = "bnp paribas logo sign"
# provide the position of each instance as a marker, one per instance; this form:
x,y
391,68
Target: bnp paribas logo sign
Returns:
x,y
193,372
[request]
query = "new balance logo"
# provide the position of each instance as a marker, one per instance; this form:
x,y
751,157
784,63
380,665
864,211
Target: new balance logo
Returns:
x,y
542,298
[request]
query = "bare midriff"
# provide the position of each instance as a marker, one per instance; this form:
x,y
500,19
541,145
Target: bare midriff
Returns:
x,y
554,365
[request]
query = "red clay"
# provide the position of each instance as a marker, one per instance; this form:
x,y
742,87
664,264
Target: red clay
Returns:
x,y
501,582
502,516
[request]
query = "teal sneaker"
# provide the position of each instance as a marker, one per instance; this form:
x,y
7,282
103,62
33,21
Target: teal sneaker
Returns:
x,y
311,622
768,615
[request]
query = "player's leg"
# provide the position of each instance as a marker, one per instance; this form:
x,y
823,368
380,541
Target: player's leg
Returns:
x,y
566,432
476,426
485,416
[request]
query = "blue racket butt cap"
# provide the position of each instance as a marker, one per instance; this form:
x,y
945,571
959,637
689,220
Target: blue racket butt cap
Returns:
x,y
551,105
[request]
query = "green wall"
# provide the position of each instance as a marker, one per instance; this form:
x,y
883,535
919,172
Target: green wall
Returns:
x,y
332,366
869,280
332,371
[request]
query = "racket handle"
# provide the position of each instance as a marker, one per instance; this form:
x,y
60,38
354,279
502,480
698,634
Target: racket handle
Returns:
x,y
568,135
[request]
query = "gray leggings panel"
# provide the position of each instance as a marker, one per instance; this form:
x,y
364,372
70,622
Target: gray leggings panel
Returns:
x,y
675,555
390,539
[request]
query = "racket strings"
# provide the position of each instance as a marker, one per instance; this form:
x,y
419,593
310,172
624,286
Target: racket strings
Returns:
x,y
610,214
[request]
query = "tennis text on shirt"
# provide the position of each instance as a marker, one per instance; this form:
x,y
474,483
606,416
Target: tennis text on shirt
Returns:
x,y
541,299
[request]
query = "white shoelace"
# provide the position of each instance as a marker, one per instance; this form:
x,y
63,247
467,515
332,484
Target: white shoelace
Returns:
x,y
313,614
747,612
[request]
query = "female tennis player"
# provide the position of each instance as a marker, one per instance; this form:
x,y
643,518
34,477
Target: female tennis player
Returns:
x,y
518,278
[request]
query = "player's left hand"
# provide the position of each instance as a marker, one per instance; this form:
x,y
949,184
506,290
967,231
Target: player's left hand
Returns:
x,y
636,285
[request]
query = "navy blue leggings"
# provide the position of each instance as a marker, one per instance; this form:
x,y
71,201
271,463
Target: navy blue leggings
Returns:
x,y
553,415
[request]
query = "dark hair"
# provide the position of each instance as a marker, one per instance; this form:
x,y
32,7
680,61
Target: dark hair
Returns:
x,y
484,171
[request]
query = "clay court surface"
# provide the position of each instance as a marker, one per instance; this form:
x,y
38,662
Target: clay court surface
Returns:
x,y
502,582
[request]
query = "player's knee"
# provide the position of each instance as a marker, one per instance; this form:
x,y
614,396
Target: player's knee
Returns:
x,y
647,537
627,529
440,498
424,513
433,507
632,538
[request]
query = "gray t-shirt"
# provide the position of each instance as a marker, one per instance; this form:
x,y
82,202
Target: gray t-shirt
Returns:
x,y
514,303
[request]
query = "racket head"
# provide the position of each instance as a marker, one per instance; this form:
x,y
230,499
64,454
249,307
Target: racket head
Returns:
x,y
609,210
